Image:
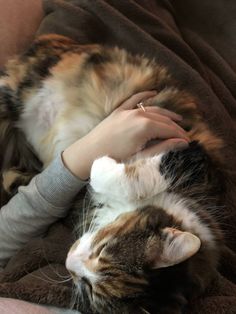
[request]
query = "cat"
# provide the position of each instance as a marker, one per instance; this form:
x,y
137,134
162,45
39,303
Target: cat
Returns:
x,y
153,242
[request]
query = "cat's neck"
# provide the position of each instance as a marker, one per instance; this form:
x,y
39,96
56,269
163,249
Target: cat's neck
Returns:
x,y
173,204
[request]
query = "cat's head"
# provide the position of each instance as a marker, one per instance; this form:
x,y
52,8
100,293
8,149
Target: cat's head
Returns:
x,y
136,261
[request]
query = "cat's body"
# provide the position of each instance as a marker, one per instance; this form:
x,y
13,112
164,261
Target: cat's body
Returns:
x,y
153,242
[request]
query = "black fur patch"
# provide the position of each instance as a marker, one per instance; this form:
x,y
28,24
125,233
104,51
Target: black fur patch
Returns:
x,y
43,67
97,59
10,106
186,167
37,72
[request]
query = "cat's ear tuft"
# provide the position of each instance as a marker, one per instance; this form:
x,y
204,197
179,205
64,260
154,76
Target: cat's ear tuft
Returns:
x,y
176,247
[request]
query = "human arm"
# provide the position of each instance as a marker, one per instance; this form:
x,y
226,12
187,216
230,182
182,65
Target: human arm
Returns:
x,y
35,207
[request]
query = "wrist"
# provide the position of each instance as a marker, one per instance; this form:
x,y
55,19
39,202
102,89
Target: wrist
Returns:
x,y
78,159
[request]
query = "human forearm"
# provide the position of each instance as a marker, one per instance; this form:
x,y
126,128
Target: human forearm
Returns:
x,y
29,213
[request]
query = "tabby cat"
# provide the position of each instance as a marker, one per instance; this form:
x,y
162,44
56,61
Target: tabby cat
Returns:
x,y
153,242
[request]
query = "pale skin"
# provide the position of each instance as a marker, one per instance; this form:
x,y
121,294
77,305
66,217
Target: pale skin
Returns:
x,y
124,133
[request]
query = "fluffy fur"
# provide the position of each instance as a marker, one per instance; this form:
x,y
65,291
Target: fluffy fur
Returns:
x,y
153,242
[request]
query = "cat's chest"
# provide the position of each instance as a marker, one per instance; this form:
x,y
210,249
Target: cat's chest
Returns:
x,y
171,203
51,121
40,114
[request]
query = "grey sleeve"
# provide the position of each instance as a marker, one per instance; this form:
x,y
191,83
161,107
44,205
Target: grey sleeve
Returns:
x,y
30,212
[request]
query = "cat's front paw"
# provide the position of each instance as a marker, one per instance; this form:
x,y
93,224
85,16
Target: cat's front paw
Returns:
x,y
10,181
13,178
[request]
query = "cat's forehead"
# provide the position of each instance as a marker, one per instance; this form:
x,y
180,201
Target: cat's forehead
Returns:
x,y
123,225
133,226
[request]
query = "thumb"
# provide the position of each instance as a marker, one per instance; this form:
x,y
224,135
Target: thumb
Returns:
x,y
163,146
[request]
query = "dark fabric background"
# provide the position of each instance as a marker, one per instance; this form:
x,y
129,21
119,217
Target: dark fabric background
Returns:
x,y
196,41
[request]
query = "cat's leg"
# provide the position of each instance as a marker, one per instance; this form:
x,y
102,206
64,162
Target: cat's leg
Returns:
x,y
138,180
10,181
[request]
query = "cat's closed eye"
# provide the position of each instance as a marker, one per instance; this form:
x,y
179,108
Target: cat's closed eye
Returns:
x,y
100,249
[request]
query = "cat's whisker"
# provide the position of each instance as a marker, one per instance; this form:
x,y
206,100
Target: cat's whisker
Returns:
x,y
53,280
88,213
52,268
74,298
92,220
85,210
46,278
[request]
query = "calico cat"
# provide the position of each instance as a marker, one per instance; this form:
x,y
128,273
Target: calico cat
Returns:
x,y
153,242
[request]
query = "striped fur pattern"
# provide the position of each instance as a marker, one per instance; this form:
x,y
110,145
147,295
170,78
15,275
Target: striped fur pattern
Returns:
x,y
152,242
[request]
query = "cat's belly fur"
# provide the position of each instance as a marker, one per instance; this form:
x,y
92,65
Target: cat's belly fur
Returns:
x,y
51,124
65,108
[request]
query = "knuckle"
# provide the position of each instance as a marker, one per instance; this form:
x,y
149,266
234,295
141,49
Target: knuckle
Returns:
x,y
146,124
180,134
167,120
135,113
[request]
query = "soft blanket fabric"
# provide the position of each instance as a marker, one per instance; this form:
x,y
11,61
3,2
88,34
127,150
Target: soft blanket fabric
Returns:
x,y
196,41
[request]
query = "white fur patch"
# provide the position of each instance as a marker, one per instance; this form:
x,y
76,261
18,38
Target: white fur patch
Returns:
x,y
108,175
76,259
51,121
121,193
40,113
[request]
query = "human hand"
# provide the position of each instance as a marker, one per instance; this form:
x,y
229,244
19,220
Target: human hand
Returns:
x,y
125,132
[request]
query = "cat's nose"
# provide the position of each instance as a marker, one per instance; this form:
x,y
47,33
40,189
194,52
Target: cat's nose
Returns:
x,y
74,247
78,256
74,265
76,260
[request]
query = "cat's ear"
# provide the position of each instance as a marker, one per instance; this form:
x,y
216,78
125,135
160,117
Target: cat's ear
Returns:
x,y
176,247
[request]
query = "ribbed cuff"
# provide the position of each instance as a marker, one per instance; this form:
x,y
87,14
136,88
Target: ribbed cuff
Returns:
x,y
57,185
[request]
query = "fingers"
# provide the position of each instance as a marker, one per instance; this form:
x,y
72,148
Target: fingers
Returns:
x,y
132,102
147,99
164,119
167,113
163,146
160,130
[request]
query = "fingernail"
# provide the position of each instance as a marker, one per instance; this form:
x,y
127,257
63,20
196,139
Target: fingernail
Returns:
x,y
184,137
181,144
179,117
